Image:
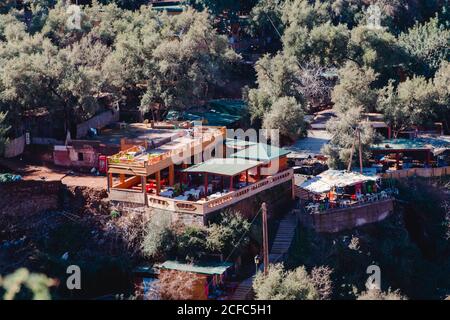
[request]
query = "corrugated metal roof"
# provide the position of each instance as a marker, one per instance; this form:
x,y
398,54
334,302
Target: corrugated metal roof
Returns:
x,y
260,152
209,268
422,143
223,166
325,181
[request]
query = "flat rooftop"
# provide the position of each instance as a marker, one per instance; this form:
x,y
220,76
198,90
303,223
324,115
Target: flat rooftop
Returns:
x,y
136,131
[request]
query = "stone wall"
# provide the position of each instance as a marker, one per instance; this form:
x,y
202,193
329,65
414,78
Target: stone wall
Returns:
x,y
14,147
348,218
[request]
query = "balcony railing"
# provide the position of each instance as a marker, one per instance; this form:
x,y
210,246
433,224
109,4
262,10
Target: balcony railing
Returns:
x,y
199,207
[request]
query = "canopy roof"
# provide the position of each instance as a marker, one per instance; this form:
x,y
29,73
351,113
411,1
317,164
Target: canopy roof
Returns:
x,y
209,268
435,144
325,181
260,152
223,166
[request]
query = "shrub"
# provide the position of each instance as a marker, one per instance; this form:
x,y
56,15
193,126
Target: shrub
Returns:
x,y
279,284
229,235
159,237
375,294
191,243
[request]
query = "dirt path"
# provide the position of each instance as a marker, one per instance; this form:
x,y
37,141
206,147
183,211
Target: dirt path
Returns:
x,y
50,173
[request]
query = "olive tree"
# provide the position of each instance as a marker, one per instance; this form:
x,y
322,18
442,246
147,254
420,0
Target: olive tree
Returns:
x,y
412,103
280,284
286,116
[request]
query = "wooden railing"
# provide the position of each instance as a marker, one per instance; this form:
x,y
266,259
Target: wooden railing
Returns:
x,y
127,195
232,197
419,172
199,143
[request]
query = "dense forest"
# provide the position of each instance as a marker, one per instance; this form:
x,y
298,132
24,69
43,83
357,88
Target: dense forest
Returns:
x,y
71,63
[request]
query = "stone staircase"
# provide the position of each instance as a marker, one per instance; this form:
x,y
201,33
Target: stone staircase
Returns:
x,y
278,253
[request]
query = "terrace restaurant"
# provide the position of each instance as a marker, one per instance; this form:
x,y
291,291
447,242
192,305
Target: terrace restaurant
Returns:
x,y
158,182
337,189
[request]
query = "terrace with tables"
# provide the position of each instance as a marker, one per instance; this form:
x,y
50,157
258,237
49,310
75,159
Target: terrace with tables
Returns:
x,y
423,152
155,180
336,190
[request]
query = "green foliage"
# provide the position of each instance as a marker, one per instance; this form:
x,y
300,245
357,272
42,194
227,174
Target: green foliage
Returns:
x,y
278,94
115,214
228,235
280,284
355,89
379,50
412,103
266,20
442,84
3,131
344,137
428,44
286,116
324,44
163,61
178,60
191,243
159,238
23,285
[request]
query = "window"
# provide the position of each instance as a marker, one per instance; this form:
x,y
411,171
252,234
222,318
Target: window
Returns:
x,y
80,156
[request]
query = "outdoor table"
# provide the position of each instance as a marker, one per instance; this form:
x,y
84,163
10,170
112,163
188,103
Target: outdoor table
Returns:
x,y
167,193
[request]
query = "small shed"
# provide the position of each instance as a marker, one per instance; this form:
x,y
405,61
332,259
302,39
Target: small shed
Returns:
x,y
213,275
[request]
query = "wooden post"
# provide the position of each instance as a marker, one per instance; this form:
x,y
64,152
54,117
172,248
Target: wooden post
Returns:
x,y
231,183
171,175
143,182
428,157
158,182
109,181
397,160
293,187
360,152
349,168
184,174
246,177
205,182
265,238
144,188
389,132
258,173
122,178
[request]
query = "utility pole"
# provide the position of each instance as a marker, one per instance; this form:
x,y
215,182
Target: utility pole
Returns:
x,y
349,168
360,151
265,238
